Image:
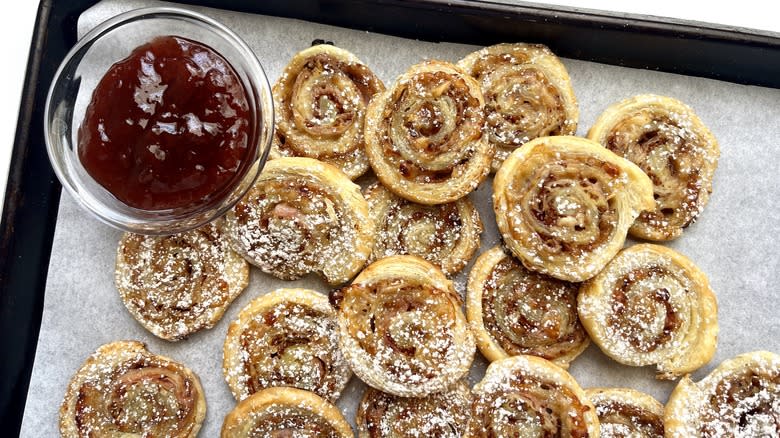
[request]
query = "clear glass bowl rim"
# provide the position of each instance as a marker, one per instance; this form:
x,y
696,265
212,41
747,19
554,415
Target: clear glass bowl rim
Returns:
x,y
265,125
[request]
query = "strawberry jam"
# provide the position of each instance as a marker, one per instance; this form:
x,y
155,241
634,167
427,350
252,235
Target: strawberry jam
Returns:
x,y
168,127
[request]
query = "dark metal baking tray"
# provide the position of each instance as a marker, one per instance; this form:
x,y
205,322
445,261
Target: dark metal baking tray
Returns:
x,y
32,195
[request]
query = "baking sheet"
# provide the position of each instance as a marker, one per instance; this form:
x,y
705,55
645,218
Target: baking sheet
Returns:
x,y
733,241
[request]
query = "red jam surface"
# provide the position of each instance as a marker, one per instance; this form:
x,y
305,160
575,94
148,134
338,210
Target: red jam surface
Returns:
x,y
167,127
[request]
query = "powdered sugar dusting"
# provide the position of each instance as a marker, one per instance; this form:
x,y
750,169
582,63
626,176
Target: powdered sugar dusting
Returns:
x,y
404,337
298,218
177,285
446,235
286,338
123,388
646,309
442,415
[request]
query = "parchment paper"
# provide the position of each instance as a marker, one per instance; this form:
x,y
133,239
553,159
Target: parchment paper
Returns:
x,y
733,241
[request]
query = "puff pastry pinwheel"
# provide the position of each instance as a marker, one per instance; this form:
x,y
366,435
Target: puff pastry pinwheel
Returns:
x,y
124,390
528,94
424,136
651,305
288,337
446,235
564,205
516,311
530,396
285,412
627,413
320,105
442,415
179,284
739,399
665,138
402,329
302,216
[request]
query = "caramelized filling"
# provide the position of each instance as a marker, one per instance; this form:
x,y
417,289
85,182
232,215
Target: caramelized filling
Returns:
x,y
634,312
431,121
620,420
323,101
524,405
673,157
530,313
408,328
139,397
292,345
745,404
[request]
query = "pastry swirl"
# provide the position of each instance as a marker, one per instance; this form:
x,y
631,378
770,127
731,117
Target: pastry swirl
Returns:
x,y
627,413
402,329
515,311
666,139
179,284
528,94
287,337
446,235
124,390
530,396
740,399
285,412
320,105
651,305
564,205
442,415
424,136
302,216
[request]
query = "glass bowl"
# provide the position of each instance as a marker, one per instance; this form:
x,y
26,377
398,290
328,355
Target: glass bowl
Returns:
x,y
86,64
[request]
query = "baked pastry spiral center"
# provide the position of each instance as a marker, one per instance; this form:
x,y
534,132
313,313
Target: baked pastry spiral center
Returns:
x,y
643,313
138,398
667,151
146,393
325,100
430,118
290,345
411,328
529,313
568,205
432,231
623,420
408,329
744,404
290,422
289,225
521,104
176,271
529,407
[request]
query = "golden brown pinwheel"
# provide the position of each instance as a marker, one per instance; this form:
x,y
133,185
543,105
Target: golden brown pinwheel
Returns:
x,y
564,205
627,413
651,305
402,329
302,216
446,235
285,412
740,399
528,94
288,337
669,142
441,415
177,285
516,311
320,105
124,390
424,136
530,396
